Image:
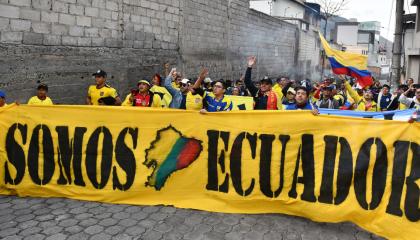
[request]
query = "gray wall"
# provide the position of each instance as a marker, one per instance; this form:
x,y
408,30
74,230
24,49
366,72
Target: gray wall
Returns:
x,y
61,42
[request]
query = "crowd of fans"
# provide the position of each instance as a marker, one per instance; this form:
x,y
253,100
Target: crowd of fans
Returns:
x,y
205,95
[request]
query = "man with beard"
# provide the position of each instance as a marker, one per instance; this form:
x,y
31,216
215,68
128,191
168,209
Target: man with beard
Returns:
x,y
184,97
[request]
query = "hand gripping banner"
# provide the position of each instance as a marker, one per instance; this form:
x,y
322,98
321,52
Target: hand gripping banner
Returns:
x,y
324,168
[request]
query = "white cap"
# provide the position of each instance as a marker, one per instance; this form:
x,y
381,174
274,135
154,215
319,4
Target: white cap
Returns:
x,y
208,80
185,81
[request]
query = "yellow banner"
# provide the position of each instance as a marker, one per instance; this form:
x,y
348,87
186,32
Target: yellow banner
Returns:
x,y
242,103
325,168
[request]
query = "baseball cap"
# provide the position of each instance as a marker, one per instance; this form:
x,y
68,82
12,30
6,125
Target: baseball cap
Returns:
x,y
42,86
99,73
267,80
143,81
185,81
2,94
207,80
327,88
291,90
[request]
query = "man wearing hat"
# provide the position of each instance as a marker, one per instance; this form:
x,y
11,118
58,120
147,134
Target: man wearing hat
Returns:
x,y
41,97
264,97
144,97
327,100
184,97
101,90
2,99
290,97
208,84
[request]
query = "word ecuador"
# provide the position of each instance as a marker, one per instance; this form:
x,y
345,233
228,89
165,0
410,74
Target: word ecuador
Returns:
x,y
343,173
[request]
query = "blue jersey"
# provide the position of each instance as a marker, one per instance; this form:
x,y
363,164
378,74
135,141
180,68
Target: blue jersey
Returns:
x,y
293,106
213,105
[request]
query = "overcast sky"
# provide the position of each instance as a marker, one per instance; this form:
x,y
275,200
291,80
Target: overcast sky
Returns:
x,y
365,10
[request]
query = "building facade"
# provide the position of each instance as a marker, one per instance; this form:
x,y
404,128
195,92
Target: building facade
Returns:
x,y
411,40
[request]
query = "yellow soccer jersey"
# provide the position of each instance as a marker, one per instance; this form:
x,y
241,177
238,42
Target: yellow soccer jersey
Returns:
x,y
95,94
36,101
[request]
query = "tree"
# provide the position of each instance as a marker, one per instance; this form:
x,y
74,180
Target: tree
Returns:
x,y
330,8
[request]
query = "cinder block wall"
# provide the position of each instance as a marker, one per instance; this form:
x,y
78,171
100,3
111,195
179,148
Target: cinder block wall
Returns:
x,y
61,42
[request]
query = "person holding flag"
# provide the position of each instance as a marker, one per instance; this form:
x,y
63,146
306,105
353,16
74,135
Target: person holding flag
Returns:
x,y
365,103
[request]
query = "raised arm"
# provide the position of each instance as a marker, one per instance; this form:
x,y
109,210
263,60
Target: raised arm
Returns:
x,y
353,94
248,82
168,83
166,68
203,73
404,99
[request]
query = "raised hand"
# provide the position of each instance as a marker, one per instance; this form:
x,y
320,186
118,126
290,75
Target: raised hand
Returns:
x,y
173,72
251,61
203,73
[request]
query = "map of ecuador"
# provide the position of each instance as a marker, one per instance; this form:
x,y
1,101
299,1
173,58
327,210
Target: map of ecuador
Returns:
x,y
168,153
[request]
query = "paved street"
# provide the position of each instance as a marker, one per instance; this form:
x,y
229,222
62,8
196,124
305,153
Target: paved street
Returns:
x,y
55,218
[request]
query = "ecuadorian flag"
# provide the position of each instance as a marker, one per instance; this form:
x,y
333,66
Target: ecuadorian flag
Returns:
x,y
350,64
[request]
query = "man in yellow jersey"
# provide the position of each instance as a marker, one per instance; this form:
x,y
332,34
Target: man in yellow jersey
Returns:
x,y
158,89
185,97
365,103
101,90
41,97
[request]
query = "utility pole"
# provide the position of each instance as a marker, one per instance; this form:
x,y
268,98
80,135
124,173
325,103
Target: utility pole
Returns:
x,y
323,53
397,49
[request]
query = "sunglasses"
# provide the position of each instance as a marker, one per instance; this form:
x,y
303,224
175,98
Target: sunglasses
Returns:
x,y
184,84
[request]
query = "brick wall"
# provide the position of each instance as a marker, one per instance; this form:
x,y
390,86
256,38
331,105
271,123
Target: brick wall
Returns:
x,y
61,42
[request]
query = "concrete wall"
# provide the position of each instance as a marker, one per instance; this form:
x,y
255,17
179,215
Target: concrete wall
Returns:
x,y
413,68
412,50
288,8
61,42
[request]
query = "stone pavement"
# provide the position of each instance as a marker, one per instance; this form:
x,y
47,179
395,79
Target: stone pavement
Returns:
x,y
56,219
